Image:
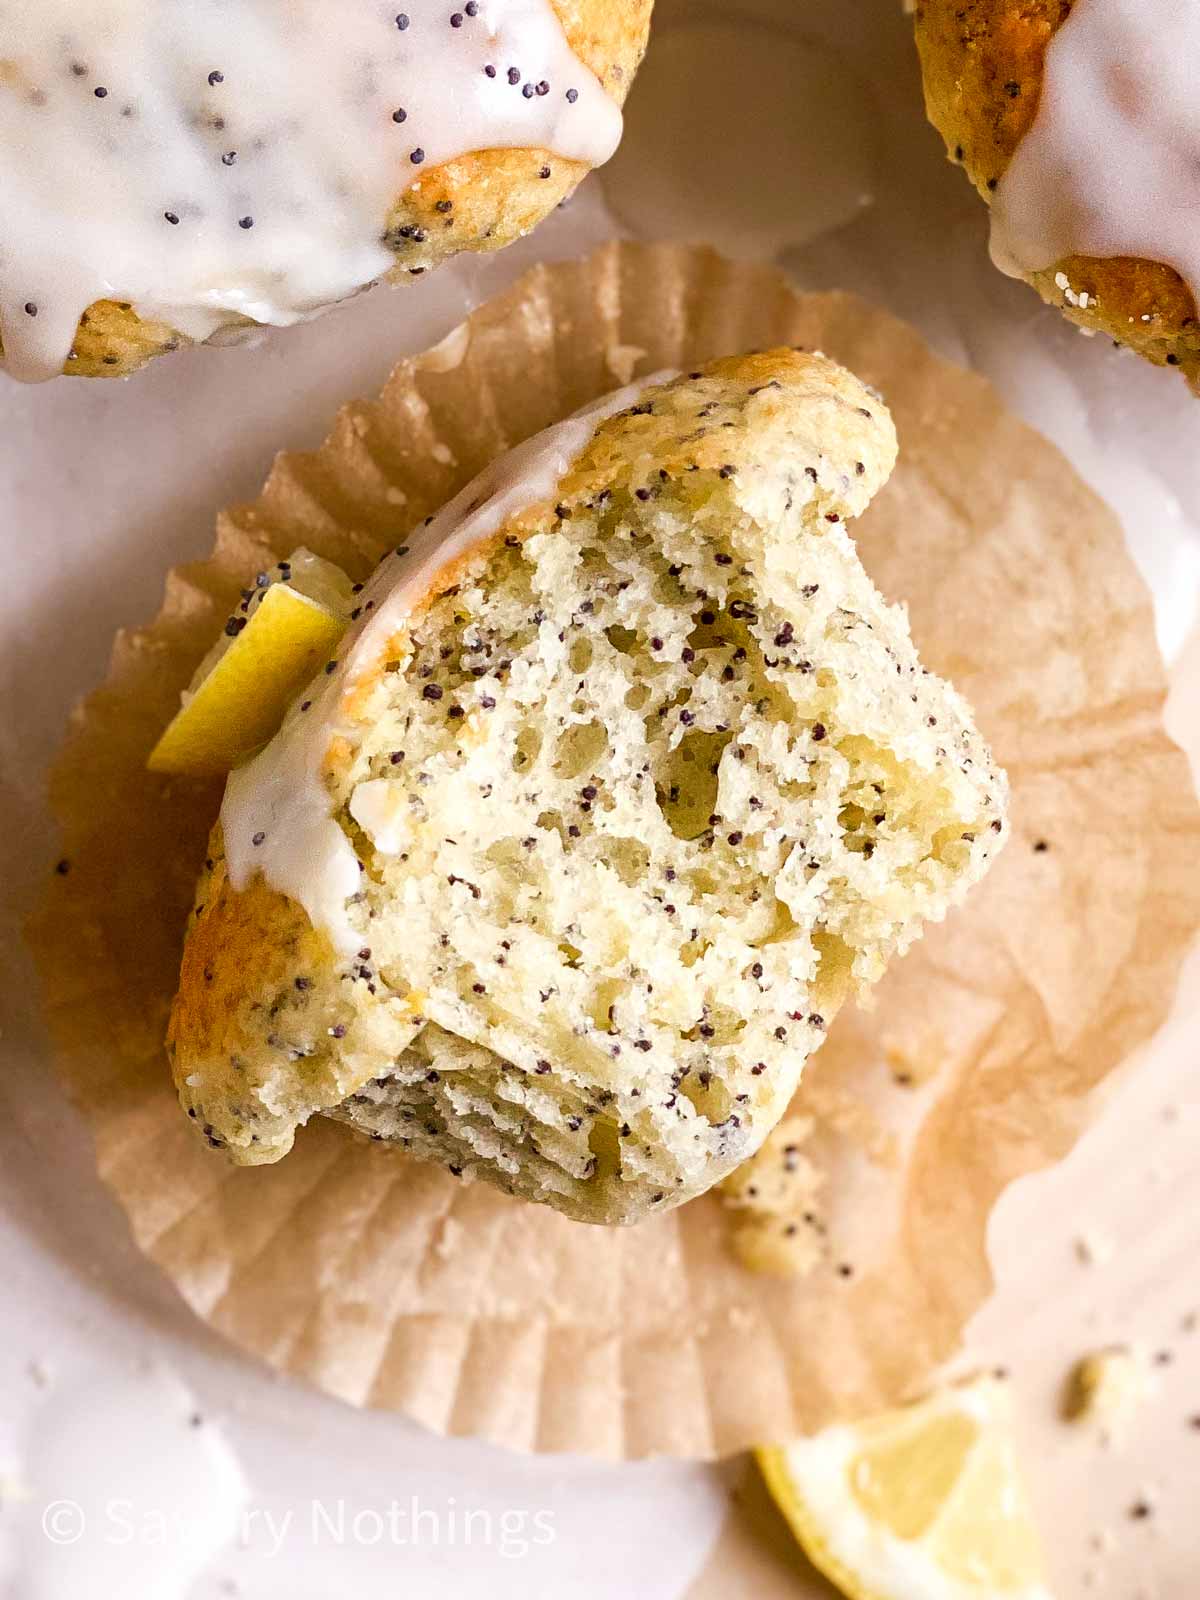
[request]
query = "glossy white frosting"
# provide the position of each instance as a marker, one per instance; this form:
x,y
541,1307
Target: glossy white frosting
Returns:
x,y
277,815
218,159
1111,164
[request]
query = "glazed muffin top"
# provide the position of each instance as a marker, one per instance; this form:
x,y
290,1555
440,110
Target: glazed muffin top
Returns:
x,y
1070,121
170,171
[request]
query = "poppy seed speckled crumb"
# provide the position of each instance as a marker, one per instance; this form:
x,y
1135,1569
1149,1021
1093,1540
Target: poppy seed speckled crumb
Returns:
x,y
690,805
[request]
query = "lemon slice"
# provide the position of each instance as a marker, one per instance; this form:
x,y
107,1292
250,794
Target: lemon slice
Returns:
x,y
285,628
922,1503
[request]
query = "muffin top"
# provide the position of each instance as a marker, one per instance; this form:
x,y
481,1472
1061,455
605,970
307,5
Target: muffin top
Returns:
x,y
1075,124
182,169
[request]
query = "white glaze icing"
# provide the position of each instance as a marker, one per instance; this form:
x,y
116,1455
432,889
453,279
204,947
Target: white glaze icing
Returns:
x,y
1111,164
267,129
132,1492
277,816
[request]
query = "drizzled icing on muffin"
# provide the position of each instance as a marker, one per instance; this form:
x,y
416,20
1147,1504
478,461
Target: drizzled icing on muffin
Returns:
x,y
1111,164
277,815
224,160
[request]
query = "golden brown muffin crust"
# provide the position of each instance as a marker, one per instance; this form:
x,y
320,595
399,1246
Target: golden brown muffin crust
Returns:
x,y
480,201
983,63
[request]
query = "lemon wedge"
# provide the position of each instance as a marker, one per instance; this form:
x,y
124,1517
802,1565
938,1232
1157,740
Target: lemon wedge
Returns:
x,y
922,1503
285,628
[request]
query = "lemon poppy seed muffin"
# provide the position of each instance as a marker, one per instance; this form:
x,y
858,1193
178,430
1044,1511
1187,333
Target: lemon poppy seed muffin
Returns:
x,y
624,778
1074,121
174,173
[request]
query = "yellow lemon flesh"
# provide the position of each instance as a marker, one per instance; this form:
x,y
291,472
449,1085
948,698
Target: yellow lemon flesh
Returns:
x,y
922,1503
285,630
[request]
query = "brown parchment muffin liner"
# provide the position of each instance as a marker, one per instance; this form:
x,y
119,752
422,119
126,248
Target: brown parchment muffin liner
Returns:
x,y
390,1283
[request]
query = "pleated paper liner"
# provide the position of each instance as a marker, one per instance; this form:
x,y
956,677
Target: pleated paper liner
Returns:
x,y
391,1284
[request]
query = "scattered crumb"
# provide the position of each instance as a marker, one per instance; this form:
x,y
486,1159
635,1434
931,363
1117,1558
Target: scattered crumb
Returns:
x,y
449,353
621,360
1093,1249
1106,1388
779,1222
1103,1541
39,1373
774,1198
442,453
395,496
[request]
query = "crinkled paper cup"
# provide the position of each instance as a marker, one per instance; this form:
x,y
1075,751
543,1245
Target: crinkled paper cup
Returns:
x,y
390,1284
